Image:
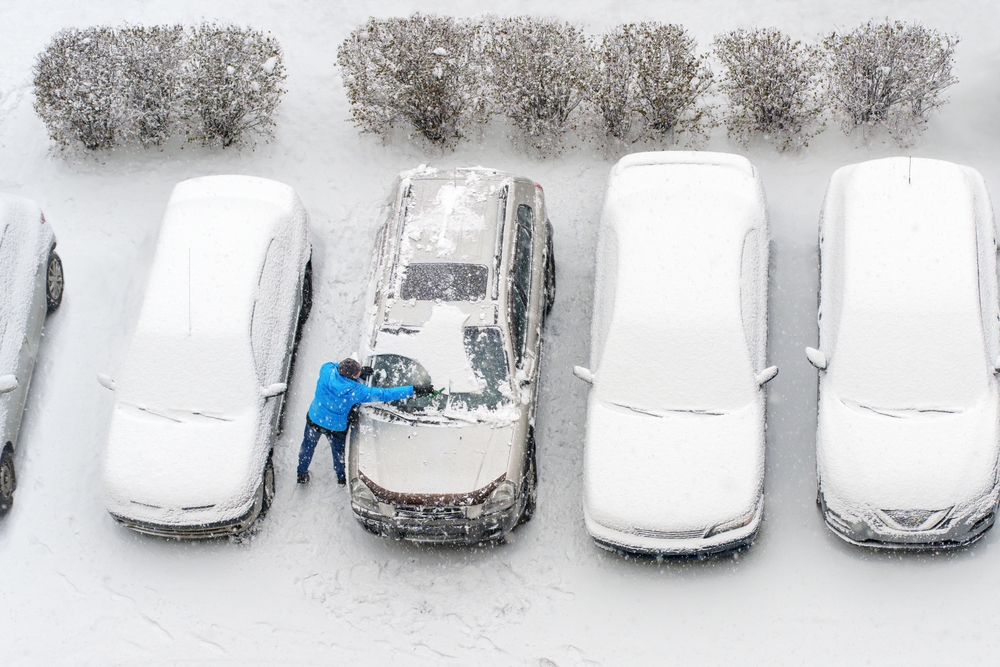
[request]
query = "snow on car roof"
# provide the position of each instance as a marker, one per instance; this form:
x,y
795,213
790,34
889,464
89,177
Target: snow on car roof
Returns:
x,y
678,222
215,233
447,217
906,222
680,218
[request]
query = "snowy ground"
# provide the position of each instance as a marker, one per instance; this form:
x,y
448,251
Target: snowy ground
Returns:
x,y
312,588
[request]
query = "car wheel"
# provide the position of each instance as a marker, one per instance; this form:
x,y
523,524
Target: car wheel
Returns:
x,y
550,277
267,487
54,281
8,480
531,482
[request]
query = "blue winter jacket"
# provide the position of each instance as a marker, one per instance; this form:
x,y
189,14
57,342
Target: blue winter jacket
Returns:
x,y
336,395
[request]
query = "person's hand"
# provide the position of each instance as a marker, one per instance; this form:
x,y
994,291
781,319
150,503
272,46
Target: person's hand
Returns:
x,y
426,389
366,372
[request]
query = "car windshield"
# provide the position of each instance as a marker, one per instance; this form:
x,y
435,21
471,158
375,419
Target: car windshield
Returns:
x,y
910,361
206,376
444,281
485,351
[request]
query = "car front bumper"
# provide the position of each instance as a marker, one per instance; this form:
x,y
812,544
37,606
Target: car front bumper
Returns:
x,y
956,531
195,530
438,525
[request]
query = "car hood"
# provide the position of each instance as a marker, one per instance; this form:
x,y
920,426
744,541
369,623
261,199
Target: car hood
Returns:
x,y
906,459
181,460
681,471
420,458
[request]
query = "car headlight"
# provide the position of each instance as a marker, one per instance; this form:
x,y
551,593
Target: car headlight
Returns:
x,y
732,525
363,497
502,498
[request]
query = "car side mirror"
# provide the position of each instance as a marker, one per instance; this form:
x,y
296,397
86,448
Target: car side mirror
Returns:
x,y
8,383
106,381
273,390
996,365
584,374
766,375
816,358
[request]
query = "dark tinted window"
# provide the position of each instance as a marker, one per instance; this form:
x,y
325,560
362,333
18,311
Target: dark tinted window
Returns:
x,y
520,288
445,282
525,216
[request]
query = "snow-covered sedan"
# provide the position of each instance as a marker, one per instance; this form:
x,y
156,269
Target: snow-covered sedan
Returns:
x,y
199,396
463,276
907,437
31,285
674,454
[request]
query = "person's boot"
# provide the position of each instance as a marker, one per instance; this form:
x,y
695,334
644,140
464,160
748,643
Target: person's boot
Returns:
x,y
341,481
304,479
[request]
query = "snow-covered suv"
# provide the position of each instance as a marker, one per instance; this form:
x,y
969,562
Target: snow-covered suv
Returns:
x,y
674,459
198,399
907,439
31,285
463,276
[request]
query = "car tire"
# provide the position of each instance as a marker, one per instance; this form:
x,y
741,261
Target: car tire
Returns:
x,y
267,487
550,276
531,482
8,480
54,281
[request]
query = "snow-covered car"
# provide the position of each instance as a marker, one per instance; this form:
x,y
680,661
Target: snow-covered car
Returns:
x,y
907,435
462,278
199,396
674,453
31,285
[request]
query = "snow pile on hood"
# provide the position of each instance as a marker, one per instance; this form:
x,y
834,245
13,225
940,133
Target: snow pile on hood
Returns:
x,y
439,346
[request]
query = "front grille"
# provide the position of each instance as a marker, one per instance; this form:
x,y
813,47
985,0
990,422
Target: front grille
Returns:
x,y
670,534
431,512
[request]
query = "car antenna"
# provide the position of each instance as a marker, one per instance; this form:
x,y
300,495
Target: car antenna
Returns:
x,y
909,172
189,291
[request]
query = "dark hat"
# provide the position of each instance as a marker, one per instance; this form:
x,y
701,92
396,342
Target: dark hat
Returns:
x,y
349,368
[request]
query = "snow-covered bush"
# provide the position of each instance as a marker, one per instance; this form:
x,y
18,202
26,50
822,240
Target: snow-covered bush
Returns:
x,y
649,83
422,71
104,86
538,72
773,86
230,84
889,76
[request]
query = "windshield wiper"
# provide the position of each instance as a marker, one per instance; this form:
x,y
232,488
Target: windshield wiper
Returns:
x,y
409,417
641,411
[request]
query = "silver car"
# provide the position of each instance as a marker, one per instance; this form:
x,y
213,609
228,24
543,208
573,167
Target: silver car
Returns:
x,y
31,285
463,277
909,340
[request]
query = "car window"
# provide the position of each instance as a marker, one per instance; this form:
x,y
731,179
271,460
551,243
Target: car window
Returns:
x,y
520,289
444,282
485,349
751,302
267,331
525,216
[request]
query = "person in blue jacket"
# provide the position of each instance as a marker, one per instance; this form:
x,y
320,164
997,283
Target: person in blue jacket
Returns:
x,y
337,391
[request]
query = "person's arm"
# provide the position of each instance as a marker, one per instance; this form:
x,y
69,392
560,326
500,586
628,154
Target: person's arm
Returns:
x,y
384,394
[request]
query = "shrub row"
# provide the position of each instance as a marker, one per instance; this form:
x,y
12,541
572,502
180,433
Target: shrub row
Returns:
x,y
442,77
101,87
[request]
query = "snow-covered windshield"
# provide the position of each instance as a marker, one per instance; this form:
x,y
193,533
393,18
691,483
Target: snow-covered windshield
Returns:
x,y
484,350
207,376
910,361
444,281
700,366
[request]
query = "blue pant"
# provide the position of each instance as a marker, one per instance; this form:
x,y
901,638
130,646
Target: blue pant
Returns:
x,y
309,440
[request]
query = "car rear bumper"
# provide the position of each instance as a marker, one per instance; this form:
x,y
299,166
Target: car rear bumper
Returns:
x,y
430,525
955,532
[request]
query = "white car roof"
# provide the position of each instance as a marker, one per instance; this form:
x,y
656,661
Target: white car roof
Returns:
x,y
212,243
908,229
675,213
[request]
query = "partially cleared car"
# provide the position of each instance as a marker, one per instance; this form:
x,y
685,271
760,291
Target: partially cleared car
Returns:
x,y
31,285
199,396
907,436
463,276
674,454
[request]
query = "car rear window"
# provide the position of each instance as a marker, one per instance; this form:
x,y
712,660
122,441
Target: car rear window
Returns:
x,y
444,282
